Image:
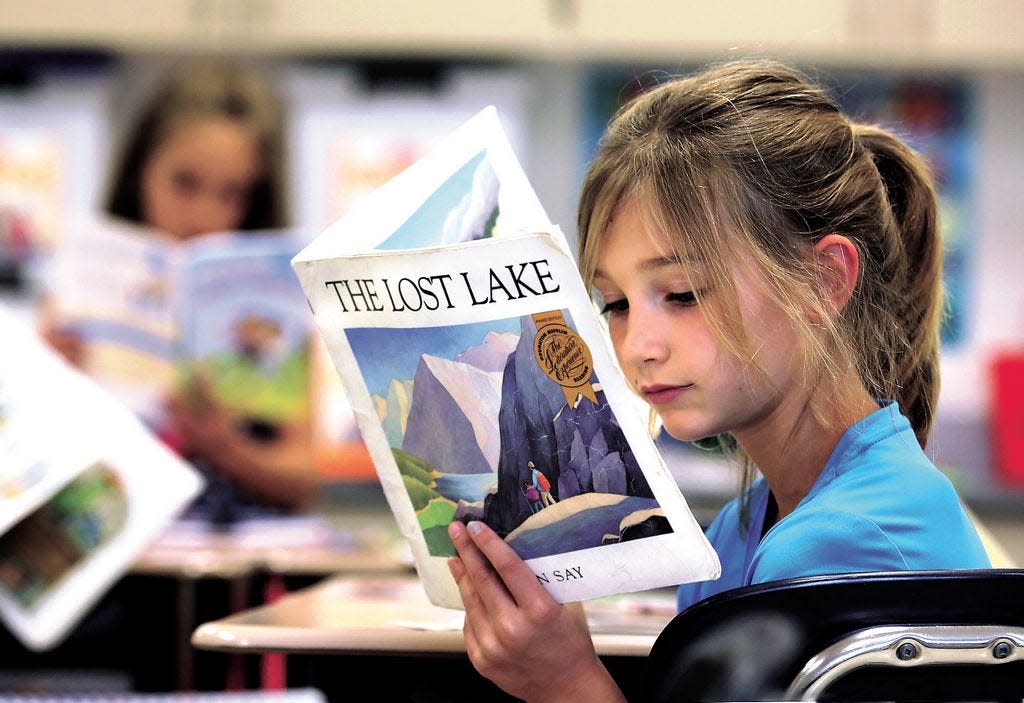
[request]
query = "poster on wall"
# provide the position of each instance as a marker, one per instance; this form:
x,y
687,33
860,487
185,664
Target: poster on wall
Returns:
x,y
52,146
932,113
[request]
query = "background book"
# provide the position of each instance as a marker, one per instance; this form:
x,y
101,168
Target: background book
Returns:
x,y
222,309
244,328
84,487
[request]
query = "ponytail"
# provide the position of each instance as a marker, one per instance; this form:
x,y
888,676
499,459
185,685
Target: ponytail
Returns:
x,y
916,276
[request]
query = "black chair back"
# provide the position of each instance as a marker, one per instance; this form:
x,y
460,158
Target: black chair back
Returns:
x,y
906,636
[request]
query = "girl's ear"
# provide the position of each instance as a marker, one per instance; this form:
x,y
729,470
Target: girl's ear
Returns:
x,y
839,263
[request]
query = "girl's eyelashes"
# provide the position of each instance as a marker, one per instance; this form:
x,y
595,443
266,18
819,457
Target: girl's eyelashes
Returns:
x,y
615,306
686,299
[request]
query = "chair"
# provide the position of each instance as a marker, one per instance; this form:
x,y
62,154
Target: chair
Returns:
x,y
895,636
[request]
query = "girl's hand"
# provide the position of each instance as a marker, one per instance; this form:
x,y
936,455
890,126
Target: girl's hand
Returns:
x,y
516,634
201,425
279,472
63,339
65,342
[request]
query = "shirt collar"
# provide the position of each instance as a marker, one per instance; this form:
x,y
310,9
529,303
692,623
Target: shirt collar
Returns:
x,y
885,422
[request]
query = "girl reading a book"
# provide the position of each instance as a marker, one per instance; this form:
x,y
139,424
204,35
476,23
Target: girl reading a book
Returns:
x,y
771,276
205,156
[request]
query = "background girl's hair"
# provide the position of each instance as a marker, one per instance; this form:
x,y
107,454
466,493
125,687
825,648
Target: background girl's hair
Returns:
x,y
205,90
753,157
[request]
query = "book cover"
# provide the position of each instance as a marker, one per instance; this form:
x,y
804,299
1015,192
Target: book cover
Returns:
x,y
484,384
221,309
245,328
74,513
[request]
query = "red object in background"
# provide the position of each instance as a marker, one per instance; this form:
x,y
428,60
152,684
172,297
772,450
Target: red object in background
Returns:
x,y
1007,419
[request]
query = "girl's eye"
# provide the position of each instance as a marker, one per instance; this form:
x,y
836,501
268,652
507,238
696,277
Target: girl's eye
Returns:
x,y
686,299
615,307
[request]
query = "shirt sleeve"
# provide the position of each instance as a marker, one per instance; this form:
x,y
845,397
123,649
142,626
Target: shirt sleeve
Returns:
x,y
824,542
689,593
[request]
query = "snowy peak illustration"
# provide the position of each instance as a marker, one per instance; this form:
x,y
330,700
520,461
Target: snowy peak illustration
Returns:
x,y
455,401
475,214
492,353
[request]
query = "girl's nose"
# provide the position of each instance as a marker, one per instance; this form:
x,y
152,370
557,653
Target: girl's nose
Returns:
x,y
644,339
206,214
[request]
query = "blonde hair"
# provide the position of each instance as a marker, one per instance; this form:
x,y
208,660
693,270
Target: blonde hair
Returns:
x,y
752,158
199,90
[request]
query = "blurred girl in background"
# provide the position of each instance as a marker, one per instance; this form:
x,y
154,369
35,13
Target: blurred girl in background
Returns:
x,y
206,155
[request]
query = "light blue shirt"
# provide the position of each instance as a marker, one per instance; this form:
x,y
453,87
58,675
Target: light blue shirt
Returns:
x,y
878,505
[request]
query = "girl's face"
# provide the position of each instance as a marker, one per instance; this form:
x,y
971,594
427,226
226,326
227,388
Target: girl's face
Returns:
x,y
199,179
669,352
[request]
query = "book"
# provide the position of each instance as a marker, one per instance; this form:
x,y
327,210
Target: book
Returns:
x,y
84,487
484,384
156,314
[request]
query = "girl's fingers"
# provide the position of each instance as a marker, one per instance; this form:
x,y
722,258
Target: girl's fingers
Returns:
x,y
457,569
469,635
487,584
516,578
470,600
475,611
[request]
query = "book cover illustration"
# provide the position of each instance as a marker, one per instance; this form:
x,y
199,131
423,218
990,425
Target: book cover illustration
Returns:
x,y
504,421
47,544
245,330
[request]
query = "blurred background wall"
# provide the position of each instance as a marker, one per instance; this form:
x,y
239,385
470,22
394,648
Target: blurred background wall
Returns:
x,y
371,85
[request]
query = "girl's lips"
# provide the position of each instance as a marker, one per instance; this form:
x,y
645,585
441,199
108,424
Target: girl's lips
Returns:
x,y
660,395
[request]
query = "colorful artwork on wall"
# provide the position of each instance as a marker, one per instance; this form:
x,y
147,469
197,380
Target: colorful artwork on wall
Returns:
x,y
934,116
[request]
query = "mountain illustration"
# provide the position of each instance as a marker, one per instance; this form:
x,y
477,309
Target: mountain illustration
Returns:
x,y
580,447
453,419
475,214
492,353
393,410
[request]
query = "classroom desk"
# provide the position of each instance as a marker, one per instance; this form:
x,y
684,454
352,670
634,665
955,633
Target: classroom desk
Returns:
x,y
287,545
383,629
258,553
391,614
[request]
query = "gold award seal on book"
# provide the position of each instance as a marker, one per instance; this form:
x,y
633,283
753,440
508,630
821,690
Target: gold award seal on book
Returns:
x,y
564,356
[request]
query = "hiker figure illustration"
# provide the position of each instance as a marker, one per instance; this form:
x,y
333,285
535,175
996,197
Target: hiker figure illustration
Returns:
x,y
533,496
542,484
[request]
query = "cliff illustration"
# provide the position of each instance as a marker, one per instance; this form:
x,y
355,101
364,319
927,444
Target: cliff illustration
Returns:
x,y
580,448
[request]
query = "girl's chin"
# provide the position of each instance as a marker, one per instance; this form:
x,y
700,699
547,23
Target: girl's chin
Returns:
x,y
689,425
687,433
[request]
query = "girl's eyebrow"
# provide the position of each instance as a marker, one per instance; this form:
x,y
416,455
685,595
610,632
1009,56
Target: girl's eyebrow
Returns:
x,y
655,263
